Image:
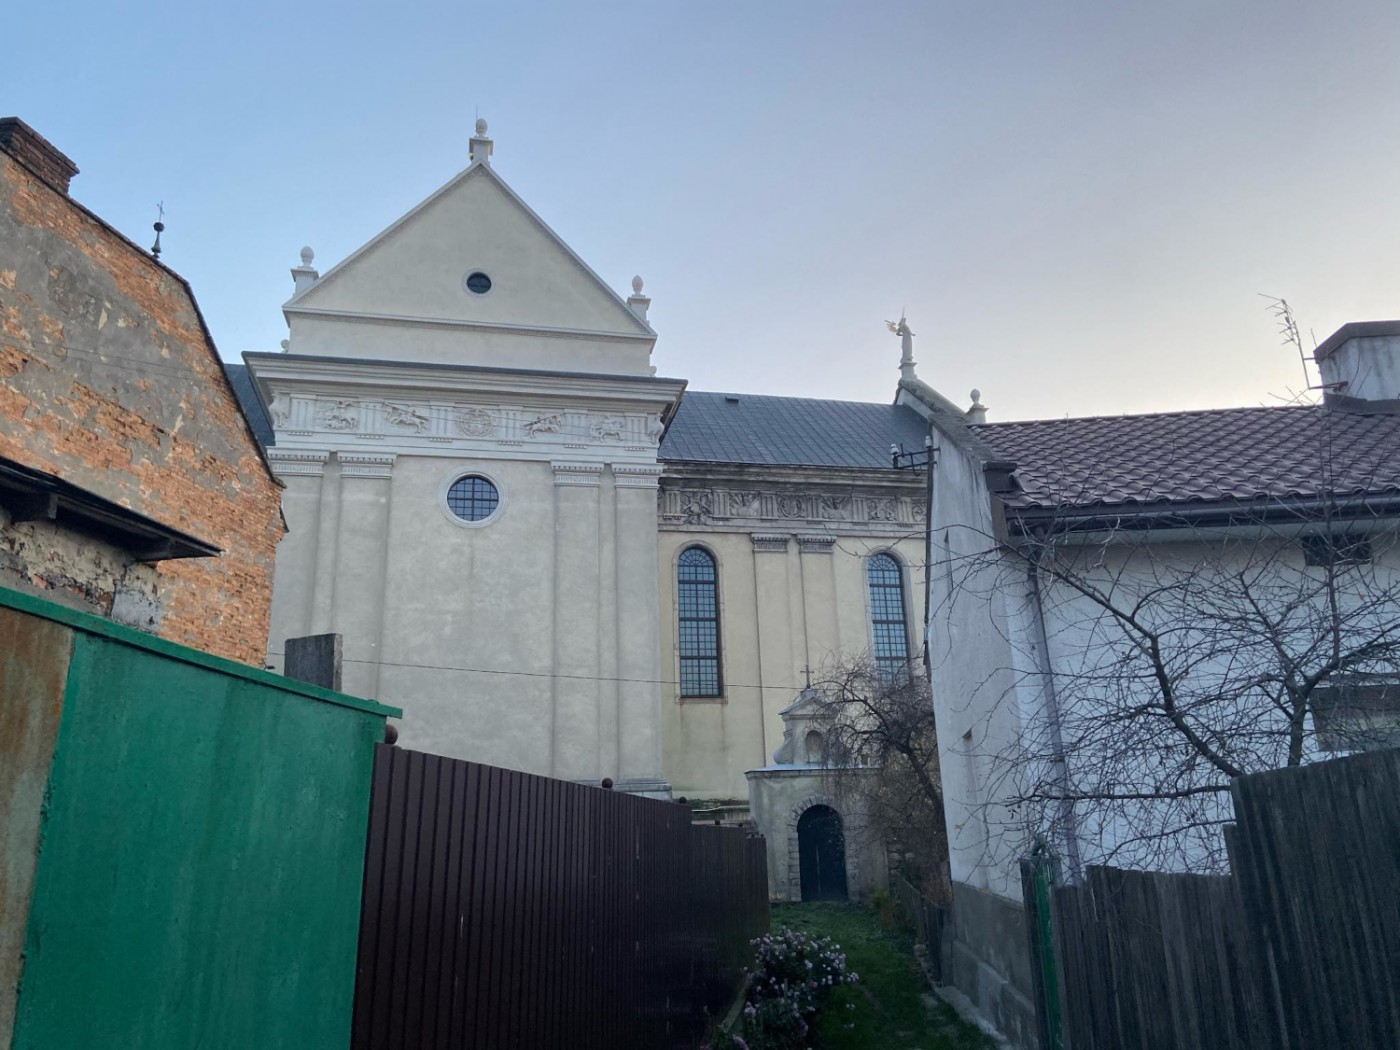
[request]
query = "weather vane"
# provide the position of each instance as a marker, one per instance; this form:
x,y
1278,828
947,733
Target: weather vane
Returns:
x,y
159,227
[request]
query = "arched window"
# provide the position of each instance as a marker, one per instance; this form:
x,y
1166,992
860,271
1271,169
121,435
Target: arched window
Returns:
x,y
697,598
889,634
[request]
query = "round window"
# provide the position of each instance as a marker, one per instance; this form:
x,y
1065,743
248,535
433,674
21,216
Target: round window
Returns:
x,y
473,498
477,283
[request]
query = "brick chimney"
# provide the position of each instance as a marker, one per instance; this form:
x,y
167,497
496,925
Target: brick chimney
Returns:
x,y
36,153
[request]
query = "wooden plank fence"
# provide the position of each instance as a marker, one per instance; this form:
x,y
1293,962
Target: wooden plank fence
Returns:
x,y
508,910
1298,948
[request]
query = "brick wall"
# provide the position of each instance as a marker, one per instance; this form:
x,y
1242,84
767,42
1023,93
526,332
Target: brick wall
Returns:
x,y
108,379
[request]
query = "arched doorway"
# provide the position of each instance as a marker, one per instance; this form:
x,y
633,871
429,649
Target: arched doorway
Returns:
x,y
821,850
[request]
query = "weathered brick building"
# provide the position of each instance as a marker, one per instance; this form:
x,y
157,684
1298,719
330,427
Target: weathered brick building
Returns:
x,y
130,482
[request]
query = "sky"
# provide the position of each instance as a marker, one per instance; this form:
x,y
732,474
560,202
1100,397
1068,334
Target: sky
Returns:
x,y
1077,205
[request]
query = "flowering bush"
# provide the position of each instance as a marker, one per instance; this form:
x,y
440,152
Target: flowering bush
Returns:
x,y
797,969
793,975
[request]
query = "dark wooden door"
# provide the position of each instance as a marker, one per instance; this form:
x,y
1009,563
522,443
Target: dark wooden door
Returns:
x,y
821,848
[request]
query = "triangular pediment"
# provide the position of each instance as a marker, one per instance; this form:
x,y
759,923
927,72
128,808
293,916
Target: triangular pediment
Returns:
x,y
418,268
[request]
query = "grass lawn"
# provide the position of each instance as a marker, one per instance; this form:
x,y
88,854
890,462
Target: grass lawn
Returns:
x,y
893,1008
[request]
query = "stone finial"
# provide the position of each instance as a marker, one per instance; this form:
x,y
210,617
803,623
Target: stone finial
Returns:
x,y
286,345
305,275
637,302
977,413
481,145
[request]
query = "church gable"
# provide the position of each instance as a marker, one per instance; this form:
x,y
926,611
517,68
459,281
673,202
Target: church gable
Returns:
x,y
423,267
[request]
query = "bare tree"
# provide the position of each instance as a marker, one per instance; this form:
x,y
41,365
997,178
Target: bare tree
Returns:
x,y
881,754
1158,668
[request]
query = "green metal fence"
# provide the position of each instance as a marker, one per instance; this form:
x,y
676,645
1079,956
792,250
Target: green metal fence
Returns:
x,y
183,839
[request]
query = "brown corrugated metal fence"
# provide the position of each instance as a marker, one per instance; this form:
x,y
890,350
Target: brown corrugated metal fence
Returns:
x,y
508,910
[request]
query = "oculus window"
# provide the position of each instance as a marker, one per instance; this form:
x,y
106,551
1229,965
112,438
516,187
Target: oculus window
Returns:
x,y
477,282
697,598
889,635
473,498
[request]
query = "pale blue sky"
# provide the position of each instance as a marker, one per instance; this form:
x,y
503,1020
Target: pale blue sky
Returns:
x,y
1075,202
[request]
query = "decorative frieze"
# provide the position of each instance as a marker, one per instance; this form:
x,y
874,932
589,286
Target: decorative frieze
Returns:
x,y
404,418
683,503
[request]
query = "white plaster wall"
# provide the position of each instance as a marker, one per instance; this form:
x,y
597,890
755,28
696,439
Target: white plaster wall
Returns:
x,y
780,613
1368,365
977,641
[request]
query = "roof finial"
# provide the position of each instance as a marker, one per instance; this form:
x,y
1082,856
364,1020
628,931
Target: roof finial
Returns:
x,y
305,275
977,413
906,342
481,147
159,227
637,301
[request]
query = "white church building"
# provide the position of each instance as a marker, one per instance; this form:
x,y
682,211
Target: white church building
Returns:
x,y
552,557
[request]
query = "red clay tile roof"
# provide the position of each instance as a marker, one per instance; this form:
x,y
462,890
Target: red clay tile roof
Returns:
x,y
1284,452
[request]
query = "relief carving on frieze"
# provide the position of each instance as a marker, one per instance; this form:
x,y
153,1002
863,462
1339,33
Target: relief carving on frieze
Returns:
x,y
474,422
834,508
544,425
609,428
695,505
792,506
879,509
341,415
744,504
406,417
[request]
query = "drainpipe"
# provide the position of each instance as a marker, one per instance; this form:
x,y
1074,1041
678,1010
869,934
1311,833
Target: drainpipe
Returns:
x,y
1067,818
932,456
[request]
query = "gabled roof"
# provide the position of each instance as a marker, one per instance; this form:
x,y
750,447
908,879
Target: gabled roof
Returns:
x,y
633,325
1292,452
759,430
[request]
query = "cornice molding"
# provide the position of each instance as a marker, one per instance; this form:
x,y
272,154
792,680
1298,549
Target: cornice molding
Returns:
x,y
815,544
770,542
587,335
365,464
585,474
285,462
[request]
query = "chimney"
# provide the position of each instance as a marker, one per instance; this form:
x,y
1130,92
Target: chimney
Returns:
x,y
1360,366
36,153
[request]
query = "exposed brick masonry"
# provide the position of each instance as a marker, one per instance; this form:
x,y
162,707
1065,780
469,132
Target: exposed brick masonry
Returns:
x,y
108,379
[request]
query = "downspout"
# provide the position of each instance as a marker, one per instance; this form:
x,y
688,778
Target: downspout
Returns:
x,y
928,556
1067,818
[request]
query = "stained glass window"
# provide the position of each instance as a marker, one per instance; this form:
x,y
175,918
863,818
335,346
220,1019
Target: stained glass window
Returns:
x,y
697,598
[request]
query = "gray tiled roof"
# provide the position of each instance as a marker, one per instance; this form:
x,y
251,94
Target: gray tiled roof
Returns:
x,y
252,407
1282,452
788,431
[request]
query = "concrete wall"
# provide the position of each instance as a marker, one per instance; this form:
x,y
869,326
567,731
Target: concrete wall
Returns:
x,y
199,830
108,378
986,956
